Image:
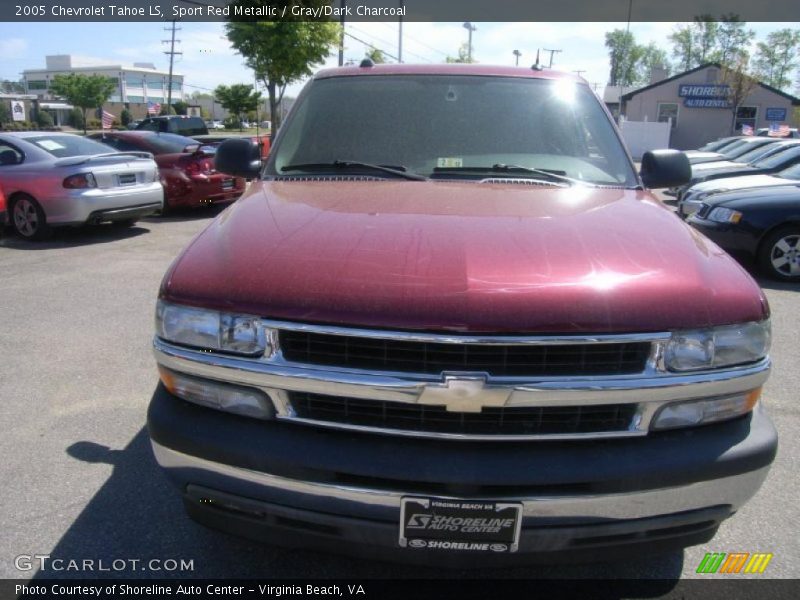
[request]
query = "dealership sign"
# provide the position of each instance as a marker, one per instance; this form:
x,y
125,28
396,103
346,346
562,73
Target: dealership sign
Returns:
x,y
776,114
704,95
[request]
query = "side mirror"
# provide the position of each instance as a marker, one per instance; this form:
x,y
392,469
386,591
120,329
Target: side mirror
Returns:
x,y
665,168
240,157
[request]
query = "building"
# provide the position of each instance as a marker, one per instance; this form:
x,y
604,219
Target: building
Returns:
x,y
135,85
696,102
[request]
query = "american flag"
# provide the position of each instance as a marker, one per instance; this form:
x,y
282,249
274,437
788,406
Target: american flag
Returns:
x,y
747,130
153,108
108,120
776,130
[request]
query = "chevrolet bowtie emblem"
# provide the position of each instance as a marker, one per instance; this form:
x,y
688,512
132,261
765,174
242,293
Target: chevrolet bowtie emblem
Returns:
x,y
464,393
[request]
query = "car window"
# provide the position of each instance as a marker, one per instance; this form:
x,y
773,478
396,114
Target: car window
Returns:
x,y
744,147
190,126
9,155
786,157
148,125
62,146
455,121
760,152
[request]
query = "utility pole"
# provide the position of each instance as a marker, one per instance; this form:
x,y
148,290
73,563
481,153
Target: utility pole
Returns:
x,y
552,52
517,54
343,4
172,54
469,27
400,35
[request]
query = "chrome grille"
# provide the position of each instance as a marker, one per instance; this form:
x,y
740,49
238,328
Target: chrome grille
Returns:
x,y
518,420
499,360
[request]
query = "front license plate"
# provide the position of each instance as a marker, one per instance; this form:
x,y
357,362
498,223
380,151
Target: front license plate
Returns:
x,y
227,184
459,525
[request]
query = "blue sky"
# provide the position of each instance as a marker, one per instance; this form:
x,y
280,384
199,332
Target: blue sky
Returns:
x,y
208,59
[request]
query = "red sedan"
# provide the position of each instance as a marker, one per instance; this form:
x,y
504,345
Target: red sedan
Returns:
x,y
186,167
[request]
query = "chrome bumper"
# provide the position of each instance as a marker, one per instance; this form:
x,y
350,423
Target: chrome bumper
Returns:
x,y
366,503
77,206
649,390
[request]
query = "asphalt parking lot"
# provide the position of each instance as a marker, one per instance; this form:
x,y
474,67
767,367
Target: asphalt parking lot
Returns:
x,y
79,479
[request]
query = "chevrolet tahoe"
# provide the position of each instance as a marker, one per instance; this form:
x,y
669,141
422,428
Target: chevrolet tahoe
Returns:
x,y
449,323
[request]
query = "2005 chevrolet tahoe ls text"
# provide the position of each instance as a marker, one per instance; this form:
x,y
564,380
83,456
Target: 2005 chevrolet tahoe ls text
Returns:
x,y
449,323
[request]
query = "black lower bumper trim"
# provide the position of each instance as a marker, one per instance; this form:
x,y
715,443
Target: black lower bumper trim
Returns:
x,y
124,214
293,527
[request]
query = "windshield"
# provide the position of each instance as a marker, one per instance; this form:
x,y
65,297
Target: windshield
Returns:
x,y
785,157
792,172
63,146
717,145
434,124
760,152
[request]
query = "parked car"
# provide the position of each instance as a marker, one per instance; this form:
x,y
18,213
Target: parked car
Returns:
x,y
58,179
717,145
479,344
783,156
731,151
215,125
695,195
134,124
195,127
2,211
186,167
757,225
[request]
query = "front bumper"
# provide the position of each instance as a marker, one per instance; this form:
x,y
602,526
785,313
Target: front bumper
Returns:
x,y
337,490
739,240
76,207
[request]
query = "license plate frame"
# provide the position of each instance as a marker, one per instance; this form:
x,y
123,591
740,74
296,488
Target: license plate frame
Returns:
x,y
126,179
459,525
228,185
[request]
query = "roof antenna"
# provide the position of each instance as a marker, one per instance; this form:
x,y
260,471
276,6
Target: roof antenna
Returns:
x,y
536,66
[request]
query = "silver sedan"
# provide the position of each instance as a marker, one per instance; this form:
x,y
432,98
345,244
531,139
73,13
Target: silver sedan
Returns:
x,y
59,179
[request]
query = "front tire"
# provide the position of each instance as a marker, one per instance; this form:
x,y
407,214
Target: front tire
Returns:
x,y
28,219
779,256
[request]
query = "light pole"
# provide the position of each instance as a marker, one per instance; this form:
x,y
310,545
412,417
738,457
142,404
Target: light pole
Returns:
x,y
552,52
517,54
469,27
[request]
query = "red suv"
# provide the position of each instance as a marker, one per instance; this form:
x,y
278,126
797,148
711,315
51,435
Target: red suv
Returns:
x,y
449,323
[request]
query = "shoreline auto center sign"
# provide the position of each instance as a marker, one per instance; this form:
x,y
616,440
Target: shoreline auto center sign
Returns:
x,y
704,95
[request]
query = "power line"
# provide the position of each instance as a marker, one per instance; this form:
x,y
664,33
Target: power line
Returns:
x,y
362,32
417,40
373,46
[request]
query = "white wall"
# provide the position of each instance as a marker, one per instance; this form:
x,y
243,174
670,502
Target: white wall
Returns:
x,y
641,136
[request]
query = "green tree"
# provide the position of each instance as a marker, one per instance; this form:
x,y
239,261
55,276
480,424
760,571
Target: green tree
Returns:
x,y
776,59
125,117
733,38
652,57
695,43
180,107
624,56
83,91
376,56
683,47
44,119
238,99
281,52
463,55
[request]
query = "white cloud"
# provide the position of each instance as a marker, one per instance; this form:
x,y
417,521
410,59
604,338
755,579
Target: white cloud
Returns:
x,y
13,48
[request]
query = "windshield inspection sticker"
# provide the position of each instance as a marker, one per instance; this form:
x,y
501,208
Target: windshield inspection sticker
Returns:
x,y
460,525
449,162
50,145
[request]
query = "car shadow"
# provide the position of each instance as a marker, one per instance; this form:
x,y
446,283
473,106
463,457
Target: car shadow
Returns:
x,y
188,214
66,237
137,514
774,284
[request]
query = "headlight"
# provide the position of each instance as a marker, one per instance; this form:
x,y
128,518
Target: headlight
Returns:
x,y
717,347
724,215
210,329
703,412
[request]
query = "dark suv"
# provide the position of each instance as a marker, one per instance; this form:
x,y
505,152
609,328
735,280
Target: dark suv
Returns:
x,y
180,124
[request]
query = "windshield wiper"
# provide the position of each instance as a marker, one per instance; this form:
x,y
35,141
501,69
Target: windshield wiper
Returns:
x,y
503,168
400,171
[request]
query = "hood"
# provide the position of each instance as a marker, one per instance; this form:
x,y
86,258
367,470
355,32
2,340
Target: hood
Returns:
x,y
742,183
698,157
466,256
717,164
764,198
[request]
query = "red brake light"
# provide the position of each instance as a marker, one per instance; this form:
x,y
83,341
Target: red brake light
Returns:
x,y
80,181
198,166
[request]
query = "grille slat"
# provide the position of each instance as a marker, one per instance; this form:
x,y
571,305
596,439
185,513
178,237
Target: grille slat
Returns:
x,y
615,358
528,420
